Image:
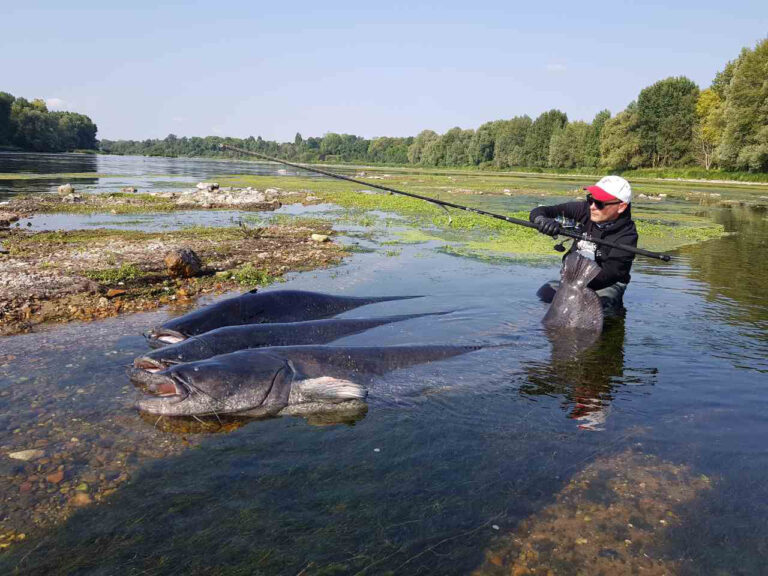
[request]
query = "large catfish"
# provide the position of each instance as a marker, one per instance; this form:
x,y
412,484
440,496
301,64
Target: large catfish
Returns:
x,y
259,307
233,338
575,305
279,380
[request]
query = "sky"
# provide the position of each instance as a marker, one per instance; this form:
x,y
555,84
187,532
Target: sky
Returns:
x,y
146,69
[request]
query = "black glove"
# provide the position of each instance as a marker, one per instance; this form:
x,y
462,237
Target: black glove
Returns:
x,y
548,226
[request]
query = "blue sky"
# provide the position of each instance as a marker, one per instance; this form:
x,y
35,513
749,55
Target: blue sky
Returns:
x,y
389,69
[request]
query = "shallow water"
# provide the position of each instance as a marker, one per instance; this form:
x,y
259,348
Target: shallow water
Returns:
x,y
448,456
148,174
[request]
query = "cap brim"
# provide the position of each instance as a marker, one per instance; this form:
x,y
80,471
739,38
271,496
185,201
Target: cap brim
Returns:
x,y
600,194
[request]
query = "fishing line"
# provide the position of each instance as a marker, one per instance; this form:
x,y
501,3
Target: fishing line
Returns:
x,y
444,204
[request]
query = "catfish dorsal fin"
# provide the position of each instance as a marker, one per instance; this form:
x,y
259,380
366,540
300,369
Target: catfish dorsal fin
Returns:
x,y
578,270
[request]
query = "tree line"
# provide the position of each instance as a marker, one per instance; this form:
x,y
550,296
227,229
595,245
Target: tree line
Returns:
x,y
671,124
31,126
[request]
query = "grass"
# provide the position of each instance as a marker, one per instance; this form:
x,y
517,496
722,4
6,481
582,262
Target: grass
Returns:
x,y
250,275
124,273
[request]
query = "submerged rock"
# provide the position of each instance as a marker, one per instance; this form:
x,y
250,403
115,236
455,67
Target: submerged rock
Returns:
x,y
613,517
6,218
183,263
27,455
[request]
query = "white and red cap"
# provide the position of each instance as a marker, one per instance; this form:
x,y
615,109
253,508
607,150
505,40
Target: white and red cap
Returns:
x,y
611,188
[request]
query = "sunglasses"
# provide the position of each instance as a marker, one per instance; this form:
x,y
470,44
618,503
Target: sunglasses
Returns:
x,y
599,204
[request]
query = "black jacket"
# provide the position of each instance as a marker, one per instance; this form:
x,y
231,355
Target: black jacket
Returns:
x,y
615,263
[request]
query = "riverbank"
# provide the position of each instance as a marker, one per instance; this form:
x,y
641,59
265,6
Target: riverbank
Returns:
x,y
90,274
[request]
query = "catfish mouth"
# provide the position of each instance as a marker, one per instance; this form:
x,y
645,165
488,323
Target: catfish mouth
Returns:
x,y
158,384
153,365
160,337
162,393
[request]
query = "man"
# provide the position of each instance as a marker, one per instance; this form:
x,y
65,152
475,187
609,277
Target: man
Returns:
x,y
605,215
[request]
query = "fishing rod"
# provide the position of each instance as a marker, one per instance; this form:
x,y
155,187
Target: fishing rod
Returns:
x,y
443,203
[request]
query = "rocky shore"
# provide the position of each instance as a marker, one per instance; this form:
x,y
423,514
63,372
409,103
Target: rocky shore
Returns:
x,y
84,275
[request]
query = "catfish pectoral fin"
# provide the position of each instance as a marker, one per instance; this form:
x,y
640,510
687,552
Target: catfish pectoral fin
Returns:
x,y
326,389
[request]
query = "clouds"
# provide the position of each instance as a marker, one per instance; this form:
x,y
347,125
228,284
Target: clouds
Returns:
x,y
56,104
556,68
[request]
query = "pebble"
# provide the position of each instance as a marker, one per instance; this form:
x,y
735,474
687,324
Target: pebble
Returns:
x,y
27,455
80,499
56,477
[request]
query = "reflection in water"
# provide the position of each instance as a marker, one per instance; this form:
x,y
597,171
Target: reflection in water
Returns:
x,y
583,371
349,413
28,163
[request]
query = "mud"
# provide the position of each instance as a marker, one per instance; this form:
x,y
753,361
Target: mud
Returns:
x,y
85,275
611,519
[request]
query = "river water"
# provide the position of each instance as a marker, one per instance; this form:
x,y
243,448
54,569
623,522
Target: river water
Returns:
x,y
449,459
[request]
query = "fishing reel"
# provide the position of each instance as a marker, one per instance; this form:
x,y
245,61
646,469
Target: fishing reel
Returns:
x,y
566,224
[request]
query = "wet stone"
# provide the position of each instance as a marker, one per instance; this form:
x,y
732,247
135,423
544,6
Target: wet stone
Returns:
x,y
27,455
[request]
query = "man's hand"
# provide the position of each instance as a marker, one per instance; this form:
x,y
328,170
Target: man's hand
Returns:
x,y
548,226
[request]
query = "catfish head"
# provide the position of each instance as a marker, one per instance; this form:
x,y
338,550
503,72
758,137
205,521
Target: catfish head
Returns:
x,y
219,385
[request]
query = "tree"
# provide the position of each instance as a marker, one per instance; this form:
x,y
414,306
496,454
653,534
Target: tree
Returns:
x,y
536,148
483,142
568,146
6,101
510,141
667,117
620,141
744,144
710,126
434,152
456,142
331,144
592,152
419,144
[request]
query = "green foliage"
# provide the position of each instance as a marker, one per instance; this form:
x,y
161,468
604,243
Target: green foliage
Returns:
x,y
482,144
711,124
570,146
620,141
419,145
30,126
536,147
666,119
744,144
509,147
6,130
250,275
114,275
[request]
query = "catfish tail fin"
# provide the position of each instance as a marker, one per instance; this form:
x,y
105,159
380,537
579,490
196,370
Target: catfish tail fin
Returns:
x,y
578,270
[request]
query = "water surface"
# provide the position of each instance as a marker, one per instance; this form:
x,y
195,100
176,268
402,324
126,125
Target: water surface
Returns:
x,y
448,456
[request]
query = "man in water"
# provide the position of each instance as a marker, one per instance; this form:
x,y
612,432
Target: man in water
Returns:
x,y
606,214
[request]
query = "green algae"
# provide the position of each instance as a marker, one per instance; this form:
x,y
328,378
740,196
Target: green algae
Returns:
x,y
114,275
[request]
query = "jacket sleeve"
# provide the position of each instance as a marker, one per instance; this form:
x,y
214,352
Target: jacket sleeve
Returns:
x,y
573,210
616,266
